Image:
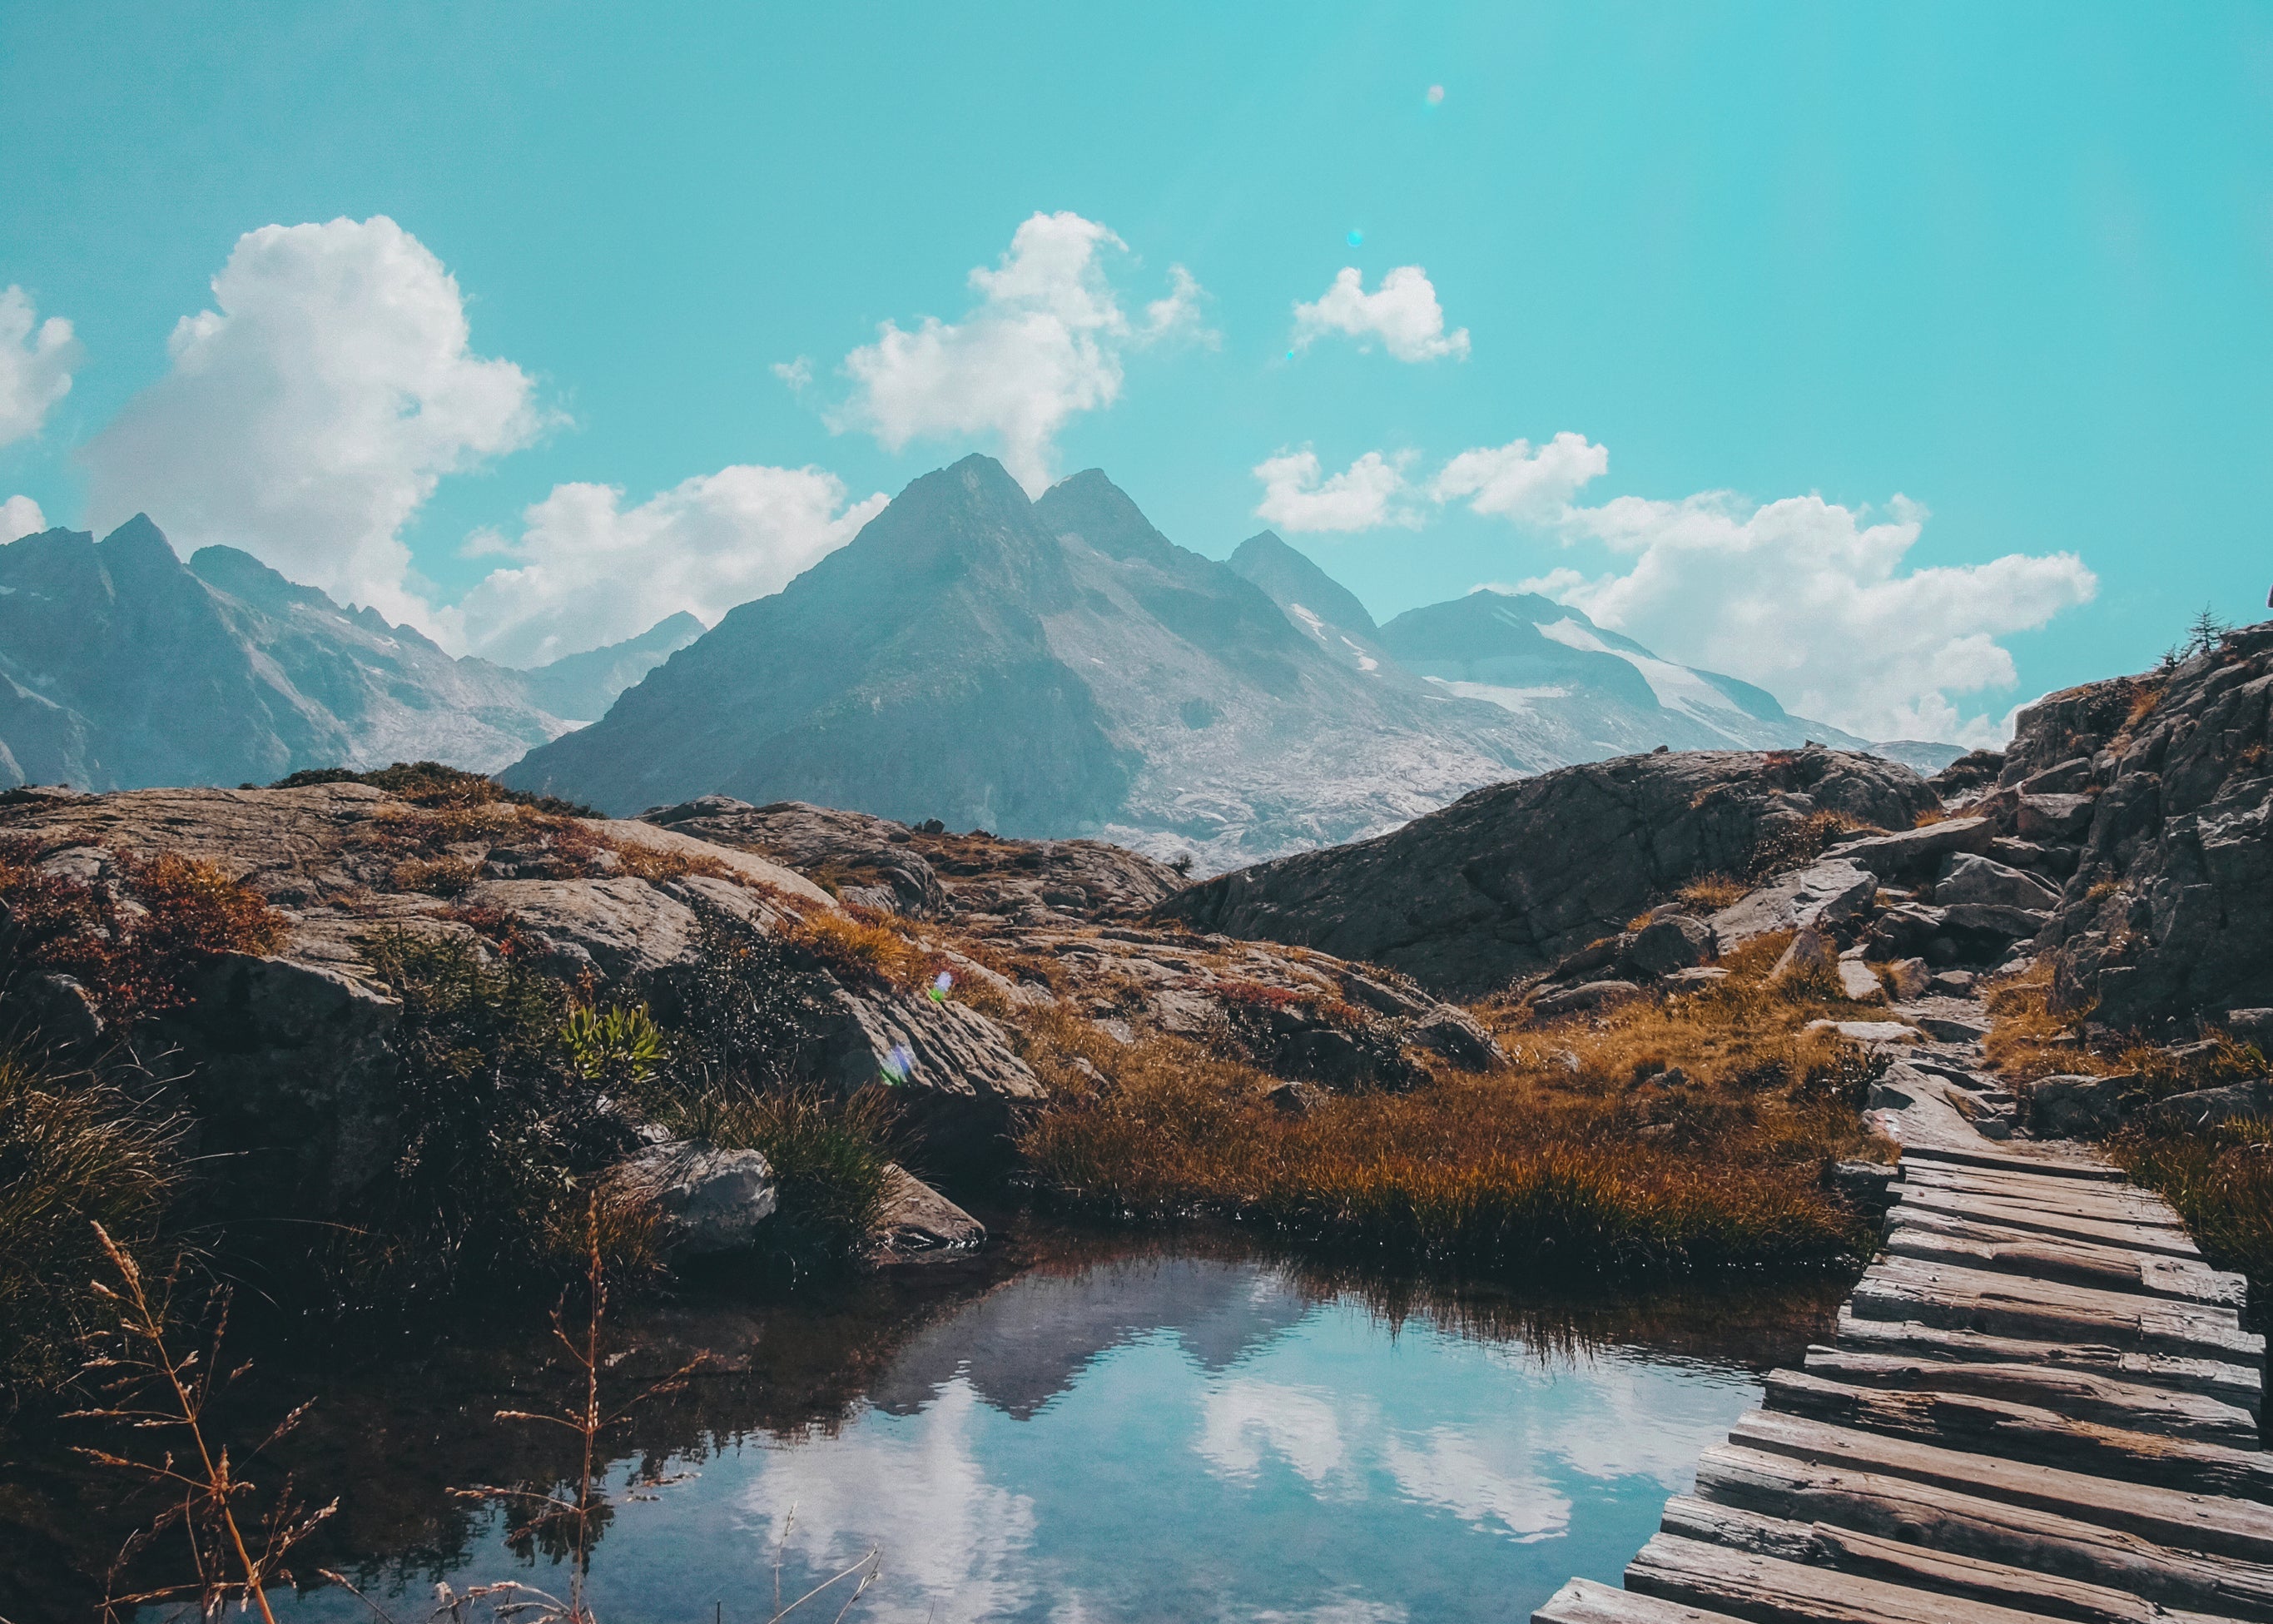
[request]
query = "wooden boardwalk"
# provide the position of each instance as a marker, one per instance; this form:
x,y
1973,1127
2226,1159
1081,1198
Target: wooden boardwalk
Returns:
x,y
2040,1404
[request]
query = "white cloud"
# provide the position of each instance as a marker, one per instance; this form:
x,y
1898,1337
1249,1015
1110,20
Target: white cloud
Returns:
x,y
1403,315
1804,597
35,361
588,571
1296,498
21,516
1518,481
307,417
1044,343
797,374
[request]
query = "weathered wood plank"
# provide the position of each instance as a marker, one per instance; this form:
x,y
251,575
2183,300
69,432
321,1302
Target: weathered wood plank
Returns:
x,y
2083,1394
1939,1519
1582,1601
2013,1305
2022,1433
2119,1203
2019,1215
1940,1237
1768,1591
2017,1157
2208,1523
2229,1383
1849,1551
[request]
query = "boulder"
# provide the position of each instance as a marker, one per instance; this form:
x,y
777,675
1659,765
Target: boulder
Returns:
x,y
2076,1106
917,1222
2054,818
2252,1027
2206,1108
1983,879
1915,850
1511,879
1455,1035
1823,895
628,928
706,1200
1867,1031
953,1074
1859,982
1664,946
1910,978
1808,953
1294,1099
1589,995
1990,919
1691,981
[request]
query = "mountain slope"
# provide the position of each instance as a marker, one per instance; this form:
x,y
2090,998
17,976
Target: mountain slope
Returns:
x,y
1048,668
121,666
581,686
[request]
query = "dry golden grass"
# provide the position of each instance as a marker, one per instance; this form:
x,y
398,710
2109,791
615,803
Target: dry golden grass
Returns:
x,y
1714,890
864,946
1577,1157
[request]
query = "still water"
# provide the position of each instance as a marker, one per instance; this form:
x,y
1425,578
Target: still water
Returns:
x,y
1162,1436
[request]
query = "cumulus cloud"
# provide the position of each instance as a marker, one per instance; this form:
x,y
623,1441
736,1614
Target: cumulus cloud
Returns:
x,y
21,516
1518,481
797,374
587,571
310,413
1806,598
1043,343
35,361
1403,315
1298,495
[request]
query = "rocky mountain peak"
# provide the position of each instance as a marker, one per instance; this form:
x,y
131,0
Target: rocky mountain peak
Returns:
x,y
1292,579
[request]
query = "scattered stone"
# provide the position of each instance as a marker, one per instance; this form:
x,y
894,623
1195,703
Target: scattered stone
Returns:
x,y
1868,1030
917,1222
2252,1027
1591,994
1702,976
1992,919
1870,1186
1294,1099
1953,983
1945,1028
2076,1106
708,1200
1679,942
1454,1035
1808,952
1859,982
1910,978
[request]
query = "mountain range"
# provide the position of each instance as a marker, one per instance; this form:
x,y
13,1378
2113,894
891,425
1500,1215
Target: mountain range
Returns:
x,y
1057,666
123,666
1046,667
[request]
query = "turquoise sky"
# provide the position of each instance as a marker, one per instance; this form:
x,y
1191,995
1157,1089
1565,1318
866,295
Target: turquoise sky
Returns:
x,y
2015,262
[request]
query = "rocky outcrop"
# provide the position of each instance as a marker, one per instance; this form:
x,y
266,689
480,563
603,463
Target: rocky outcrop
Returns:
x,y
925,872
2162,789
918,1222
1511,880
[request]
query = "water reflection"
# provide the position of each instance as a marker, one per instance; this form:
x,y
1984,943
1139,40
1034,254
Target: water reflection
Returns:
x,y
1077,1431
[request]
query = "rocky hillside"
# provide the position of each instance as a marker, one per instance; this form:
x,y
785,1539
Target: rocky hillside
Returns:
x,y
122,667
1509,880
2161,787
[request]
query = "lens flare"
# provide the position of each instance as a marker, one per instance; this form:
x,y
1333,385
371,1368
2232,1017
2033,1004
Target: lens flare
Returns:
x,y
939,987
1356,237
899,1063
1436,95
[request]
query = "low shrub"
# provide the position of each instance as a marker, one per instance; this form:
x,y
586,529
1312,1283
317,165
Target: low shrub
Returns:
x,y
828,1156
430,784
135,940
75,1151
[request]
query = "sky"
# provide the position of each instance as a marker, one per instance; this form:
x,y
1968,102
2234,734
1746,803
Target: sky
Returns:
x,y
1910,362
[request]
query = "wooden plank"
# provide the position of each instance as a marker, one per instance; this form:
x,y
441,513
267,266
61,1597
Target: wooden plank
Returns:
x,y
2024,1433
1769,1590
2232,1384
2014,1157
1958,1523
2019,1215
2107,1203
2012,1305
1582,1601
1938,1239
1820,1544
2235,1528
2083,1394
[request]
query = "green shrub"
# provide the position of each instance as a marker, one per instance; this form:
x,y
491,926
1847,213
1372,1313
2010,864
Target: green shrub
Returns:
x,y
430,784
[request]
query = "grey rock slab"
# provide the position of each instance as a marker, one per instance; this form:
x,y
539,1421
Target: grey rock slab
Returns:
x,y
1983,879
2077,1105
1911,849
1824,895
1860,984
1589,996
630,927
918,1221
951,1071
2208,1107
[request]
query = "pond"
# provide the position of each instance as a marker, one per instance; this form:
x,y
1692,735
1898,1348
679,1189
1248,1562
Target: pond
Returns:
x,y
1076,1430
